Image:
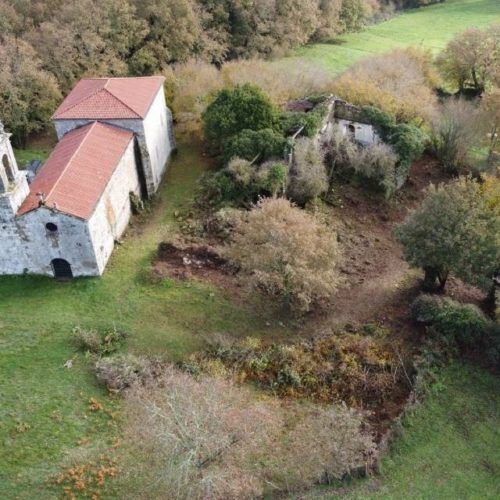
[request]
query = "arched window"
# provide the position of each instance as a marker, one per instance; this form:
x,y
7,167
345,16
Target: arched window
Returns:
x,y
62,269
8,168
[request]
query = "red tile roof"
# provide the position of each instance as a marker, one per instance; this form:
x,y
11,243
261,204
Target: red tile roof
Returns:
x,y
110,98
78,170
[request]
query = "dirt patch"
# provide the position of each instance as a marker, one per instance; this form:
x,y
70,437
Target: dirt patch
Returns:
x,y
197,262
376,282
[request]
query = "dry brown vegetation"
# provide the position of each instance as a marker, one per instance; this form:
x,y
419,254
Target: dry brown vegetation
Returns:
x,y
400,83
286,253
207,438
192,85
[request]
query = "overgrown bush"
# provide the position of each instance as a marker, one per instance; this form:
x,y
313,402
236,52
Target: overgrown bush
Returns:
x,y
221,223
361,369
99,342
290,122
241,183
377,163
454,230
400,83
462,324
308,178
455,130
408,143
255,145
386,165
120,371
286,253
204,437
244,107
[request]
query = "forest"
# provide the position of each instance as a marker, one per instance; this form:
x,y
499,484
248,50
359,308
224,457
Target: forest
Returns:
x,y
46,46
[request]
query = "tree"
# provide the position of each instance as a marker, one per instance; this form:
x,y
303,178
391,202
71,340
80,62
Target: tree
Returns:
x,y
174,34
286,253
28,95
471,58
455,231
490,114
236,109
308,178
454,131
255,145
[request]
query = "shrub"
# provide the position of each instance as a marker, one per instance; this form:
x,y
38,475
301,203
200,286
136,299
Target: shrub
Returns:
x,y
280,80
240,183
205,437
237,109
388,164
189,87
286,253
408,143
255,145
462,324
222,223
377,163
101,343
455,130
355,368
400,83
290,122
454,230
308,178
324,445
120,371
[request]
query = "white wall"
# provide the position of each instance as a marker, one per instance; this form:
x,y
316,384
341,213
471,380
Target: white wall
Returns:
x,y
363,132
112,213
27,246
156,132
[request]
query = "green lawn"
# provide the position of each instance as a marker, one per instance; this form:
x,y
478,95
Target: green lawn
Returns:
x,y
451,445
430,27
24,156
449,448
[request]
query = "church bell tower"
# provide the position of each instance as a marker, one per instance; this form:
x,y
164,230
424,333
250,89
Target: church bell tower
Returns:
x,y
13,184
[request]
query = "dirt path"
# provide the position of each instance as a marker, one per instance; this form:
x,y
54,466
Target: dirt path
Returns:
x,y
377,283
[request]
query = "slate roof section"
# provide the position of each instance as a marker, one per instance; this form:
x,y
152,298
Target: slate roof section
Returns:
x,y
78,170
109,98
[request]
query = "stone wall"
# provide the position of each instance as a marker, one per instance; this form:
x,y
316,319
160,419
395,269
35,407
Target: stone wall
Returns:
x,y
345,111
113,212
158,138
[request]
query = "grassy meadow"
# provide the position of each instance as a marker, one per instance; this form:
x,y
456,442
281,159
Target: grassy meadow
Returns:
x,y
430,27
44,407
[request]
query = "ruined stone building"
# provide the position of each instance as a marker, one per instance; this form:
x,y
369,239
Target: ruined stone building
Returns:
x,y
115,139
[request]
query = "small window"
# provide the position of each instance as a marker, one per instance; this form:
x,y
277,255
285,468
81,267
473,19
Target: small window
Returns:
x,y
51,227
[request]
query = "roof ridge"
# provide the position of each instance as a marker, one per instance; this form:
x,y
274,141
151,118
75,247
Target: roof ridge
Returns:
x,y
85,98
92,125
116,97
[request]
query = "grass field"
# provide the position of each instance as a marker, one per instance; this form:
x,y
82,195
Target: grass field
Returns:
x,y
44,407
430,27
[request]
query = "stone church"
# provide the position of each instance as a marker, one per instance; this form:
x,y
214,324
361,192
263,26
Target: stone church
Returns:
x,y
114,139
